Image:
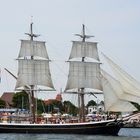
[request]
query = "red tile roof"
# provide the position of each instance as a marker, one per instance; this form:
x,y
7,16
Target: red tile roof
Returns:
x,y
7,97
49,101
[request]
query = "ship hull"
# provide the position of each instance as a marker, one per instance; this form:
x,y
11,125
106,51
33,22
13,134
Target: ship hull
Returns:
x,y
93,128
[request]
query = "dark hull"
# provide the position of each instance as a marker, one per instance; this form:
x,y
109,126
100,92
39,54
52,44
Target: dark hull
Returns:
x,y
99,128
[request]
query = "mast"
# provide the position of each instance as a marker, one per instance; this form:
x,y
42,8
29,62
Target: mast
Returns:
x,y
33,68
31,34
80,70
84,37
32,97
83,74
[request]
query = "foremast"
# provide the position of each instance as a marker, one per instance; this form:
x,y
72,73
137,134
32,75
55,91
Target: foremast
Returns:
x,y
32,97
33,68
83,74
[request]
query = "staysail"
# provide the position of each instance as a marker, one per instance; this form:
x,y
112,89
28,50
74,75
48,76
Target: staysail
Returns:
x,y
114,97
129,84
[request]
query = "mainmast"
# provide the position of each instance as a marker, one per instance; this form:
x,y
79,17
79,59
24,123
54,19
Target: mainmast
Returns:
x,y
84,37
83,74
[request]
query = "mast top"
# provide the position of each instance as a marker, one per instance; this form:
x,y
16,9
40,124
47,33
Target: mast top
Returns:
x,y
31,34
83,35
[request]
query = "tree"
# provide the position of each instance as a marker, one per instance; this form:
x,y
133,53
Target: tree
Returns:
x,y
70,108
55,106
2,104
91,103
20,100
40,106
136,105
102,103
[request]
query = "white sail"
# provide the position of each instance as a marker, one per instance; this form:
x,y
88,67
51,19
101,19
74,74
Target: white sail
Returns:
x,y
84,75
112,93
84,49
118,88
34,72
130,85
33,48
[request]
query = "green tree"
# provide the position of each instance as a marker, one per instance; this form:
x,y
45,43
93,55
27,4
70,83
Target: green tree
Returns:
x,y
70,108
57,106
91,103
20,100
40,106
102,102
2,104
136,105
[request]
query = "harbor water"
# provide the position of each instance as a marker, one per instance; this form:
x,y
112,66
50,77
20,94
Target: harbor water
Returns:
x,y
124,134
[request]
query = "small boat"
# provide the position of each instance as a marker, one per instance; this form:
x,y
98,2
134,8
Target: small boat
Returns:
x,y
84,73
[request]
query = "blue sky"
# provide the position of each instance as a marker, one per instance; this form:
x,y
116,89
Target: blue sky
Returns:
x,y
114,23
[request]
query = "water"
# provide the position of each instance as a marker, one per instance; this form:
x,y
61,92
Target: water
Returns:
x,y
124,134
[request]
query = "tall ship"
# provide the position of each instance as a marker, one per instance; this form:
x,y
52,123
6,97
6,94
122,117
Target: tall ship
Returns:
x,y
85,74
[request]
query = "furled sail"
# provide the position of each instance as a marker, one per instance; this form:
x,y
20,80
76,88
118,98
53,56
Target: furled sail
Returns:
x,y
84,49
33,48
113,95
130,85
84,75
